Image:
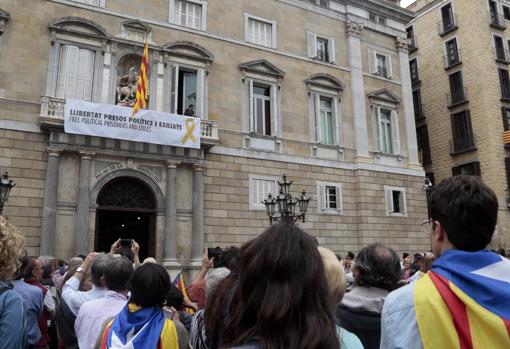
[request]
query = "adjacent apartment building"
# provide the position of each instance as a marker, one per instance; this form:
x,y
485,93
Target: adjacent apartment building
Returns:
x,y
319,90
459,60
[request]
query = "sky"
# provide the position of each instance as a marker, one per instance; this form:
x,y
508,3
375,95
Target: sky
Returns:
x,y
404,3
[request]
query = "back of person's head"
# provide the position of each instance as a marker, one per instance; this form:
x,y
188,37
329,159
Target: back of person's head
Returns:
x,y
22,266
11,245
117,274
378,265
334,275
74,263
174,298
405,255
467,210
98,267
29,263
149,285
501,252
126,251
350,255
282,293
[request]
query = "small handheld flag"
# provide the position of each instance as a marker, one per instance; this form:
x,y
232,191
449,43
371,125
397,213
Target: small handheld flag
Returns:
x,y
142,87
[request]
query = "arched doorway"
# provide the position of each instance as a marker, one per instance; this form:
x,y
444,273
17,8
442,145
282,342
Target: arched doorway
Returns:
x,y
126,210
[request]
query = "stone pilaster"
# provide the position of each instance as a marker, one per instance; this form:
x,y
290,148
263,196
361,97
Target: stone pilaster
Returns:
x,y
402,45
358,90
81,223
49,215
197,223
170,233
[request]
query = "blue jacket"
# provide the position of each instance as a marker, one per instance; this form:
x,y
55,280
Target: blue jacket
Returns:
x,y
12,318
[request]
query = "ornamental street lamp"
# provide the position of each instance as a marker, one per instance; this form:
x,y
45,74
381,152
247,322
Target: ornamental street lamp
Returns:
x,y
6,185
286,204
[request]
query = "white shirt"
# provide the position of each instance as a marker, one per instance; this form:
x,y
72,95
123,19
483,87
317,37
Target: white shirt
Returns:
x,y
74,298
93,314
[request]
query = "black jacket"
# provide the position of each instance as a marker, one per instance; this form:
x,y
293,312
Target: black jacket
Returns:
x,y
364,324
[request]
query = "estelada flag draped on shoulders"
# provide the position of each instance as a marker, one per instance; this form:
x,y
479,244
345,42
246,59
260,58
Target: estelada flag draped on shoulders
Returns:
x,y
142,87
464,302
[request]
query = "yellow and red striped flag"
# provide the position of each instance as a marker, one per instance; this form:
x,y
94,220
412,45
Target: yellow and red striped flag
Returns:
x,y
142,88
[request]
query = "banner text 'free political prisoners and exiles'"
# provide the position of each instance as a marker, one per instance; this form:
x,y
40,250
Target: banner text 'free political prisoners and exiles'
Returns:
x,y
112,121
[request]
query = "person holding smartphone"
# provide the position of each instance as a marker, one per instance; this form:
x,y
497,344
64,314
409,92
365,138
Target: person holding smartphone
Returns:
x,y
128,248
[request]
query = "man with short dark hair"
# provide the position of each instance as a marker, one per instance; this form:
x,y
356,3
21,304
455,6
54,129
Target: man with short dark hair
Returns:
x,y
376,272
94,313
464,301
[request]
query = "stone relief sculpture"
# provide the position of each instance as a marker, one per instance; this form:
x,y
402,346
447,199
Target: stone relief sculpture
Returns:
x,y
127,79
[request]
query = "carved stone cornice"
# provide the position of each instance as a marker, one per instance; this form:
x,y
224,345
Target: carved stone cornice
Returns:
x,y
354,28
4,18
402,44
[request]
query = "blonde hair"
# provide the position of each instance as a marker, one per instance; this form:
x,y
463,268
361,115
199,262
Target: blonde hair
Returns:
x,y
334,274
11,245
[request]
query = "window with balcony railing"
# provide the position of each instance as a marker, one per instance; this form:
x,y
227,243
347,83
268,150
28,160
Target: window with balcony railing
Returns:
x,y
462,132
496,20
452,53
410,36
504,82
499,49
457,92
505,113
447,18
418,110
413,68
422,136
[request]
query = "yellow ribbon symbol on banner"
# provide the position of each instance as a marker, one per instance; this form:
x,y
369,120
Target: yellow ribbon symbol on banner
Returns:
x,y
190,127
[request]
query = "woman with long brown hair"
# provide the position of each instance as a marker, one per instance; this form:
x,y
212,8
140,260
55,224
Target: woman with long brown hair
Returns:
x,y
282,297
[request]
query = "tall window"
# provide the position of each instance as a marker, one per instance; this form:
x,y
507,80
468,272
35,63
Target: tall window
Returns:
x,y
386,132
452,52
493,10
499,48
184,91
410,36
262,109
381,64
505,113
506,12
188,14
447,17
75,73
462,132
322,49
259,32
457,94
504,81
326,121
418,111
507,168
413,67
422,135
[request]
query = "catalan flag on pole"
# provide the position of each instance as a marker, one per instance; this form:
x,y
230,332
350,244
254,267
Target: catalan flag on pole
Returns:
x,y
179,282
142,88
464,302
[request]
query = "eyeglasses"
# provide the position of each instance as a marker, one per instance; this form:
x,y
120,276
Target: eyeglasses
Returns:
x,y
425,226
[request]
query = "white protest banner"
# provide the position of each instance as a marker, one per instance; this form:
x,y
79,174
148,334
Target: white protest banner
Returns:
x,y
112,121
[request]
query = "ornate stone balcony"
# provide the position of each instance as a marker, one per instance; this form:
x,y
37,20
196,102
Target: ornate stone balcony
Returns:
x,y
52,116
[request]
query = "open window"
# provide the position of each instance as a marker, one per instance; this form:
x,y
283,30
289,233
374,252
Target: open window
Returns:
x,y
329,197
261,81
186,79
395,198
321,47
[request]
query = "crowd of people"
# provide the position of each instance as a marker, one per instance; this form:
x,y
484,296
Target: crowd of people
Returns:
x,y
279,290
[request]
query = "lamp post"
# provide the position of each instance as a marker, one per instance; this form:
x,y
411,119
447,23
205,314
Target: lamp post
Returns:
x,y
6,185
286,204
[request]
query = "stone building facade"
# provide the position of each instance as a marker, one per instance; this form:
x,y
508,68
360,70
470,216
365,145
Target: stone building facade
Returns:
x,y
461,93
318,90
